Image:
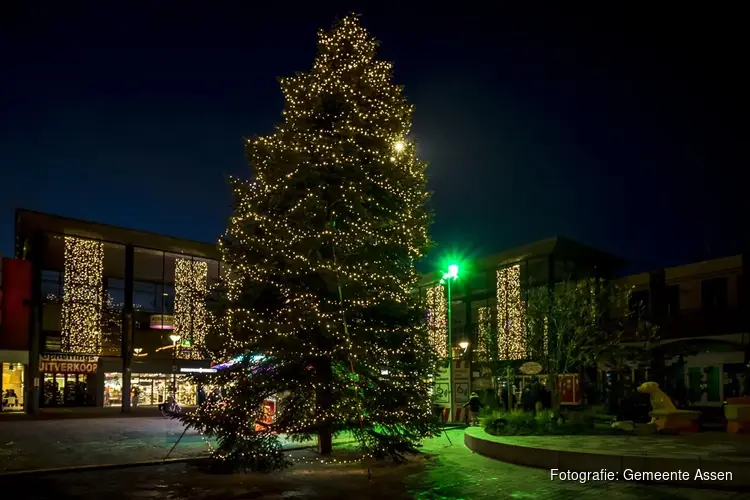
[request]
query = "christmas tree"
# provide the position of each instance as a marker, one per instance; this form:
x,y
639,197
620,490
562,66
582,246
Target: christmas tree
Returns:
x,y
317,305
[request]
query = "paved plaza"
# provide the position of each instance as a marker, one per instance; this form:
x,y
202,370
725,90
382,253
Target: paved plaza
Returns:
x,y
447,471
47,444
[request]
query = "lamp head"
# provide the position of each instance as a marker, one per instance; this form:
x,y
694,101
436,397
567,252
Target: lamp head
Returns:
x,y
453,271
463,345
174,338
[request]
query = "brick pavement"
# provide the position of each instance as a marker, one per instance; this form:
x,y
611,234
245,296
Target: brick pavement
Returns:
x,y
449,471
84,413
43,444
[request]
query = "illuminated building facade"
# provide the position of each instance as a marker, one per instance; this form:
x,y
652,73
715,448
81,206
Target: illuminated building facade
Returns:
x,y
489,301
702,353
116,312
702,356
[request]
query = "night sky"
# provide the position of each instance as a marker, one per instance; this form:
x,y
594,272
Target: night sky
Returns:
x,y
616,128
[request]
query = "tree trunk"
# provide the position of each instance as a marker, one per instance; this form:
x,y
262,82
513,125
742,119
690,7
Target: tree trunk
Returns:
x,y
324,402
554,389
325,440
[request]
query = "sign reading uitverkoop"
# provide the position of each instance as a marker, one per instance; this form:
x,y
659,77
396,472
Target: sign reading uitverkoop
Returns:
x,y
68,363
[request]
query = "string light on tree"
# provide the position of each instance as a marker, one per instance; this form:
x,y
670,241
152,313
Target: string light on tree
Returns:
x,y
83,294
319,261
511,338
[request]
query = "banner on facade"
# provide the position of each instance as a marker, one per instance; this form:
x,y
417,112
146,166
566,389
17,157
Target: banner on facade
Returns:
x,y
462,381
461,384
68,363
569,385
442,387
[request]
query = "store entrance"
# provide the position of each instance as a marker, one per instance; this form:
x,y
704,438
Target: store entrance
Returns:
x,y
149,389
67,389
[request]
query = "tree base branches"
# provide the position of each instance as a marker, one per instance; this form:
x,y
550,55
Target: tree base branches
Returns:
x,y
235,419
395,441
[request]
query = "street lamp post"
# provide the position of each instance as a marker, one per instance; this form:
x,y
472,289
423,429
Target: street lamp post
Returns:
x,y
448,278
174,338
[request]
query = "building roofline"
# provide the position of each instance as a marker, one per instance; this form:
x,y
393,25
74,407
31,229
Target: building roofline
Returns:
x,y
29,221
556,245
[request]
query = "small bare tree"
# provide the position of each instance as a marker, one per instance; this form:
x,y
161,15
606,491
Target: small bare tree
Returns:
x,y
579,323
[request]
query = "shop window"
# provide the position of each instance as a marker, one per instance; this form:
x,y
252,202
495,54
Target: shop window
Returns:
x,y
714,293
13,387
734,380
67,389
149,389
112,389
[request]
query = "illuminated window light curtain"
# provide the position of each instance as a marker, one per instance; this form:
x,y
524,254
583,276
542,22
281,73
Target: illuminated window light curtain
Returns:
x,y
484,337
437,323
511,338
83,294
190,316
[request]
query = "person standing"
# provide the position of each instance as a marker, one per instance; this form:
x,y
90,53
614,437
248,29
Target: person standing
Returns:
x,y
474,404
136,398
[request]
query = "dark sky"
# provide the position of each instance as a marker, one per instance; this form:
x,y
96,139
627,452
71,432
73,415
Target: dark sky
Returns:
x,y
619,128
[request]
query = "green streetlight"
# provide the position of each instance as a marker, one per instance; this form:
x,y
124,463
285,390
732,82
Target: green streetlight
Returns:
x,y
448,278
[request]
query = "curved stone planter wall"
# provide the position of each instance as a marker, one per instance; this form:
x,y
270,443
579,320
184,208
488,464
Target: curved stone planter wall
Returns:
x,y
478,441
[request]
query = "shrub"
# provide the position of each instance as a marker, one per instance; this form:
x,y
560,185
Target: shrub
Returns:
x,y
545,422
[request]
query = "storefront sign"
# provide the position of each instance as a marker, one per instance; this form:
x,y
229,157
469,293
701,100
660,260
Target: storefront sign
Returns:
x,y
162,322
68,363
197,370
531,368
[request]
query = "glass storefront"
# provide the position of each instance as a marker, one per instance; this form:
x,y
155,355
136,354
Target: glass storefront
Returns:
x,y
68,380
151,389
12,387
67,389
